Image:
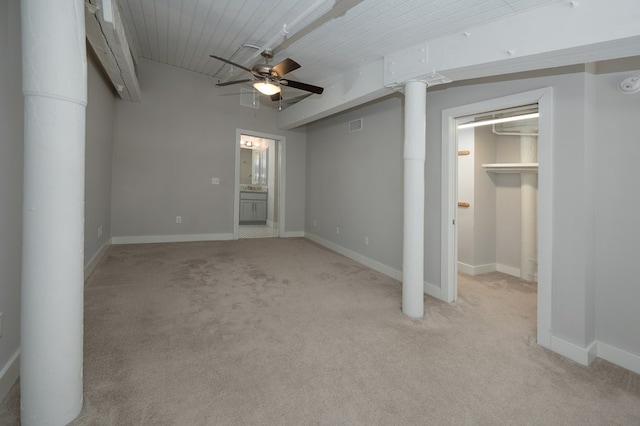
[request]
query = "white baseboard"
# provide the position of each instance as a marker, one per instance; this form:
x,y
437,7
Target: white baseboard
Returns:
x,y
293,234
619,357
572,351
434,291
509,270
373,264
89,267
585,356
489,267
9,374
145,239
430,289
476,269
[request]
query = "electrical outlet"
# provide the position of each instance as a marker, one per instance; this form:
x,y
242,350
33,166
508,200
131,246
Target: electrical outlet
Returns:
x,y
366,241
215,181
315,223
99,231
178,219
337,230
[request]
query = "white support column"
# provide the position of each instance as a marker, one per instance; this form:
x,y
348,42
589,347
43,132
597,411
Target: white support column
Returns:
x,y
415,110
55,90
528,210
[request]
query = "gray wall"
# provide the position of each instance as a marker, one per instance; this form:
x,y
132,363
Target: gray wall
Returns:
x,y
508,203
466,191
168,148
572,319
339,184
489,229
354,181
97,182
99,144
617,229
484,198
11,159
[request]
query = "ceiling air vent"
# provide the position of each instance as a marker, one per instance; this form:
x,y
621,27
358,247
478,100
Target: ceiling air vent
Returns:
x,y
355,125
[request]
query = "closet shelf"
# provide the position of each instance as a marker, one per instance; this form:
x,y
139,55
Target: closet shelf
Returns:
x,y
511,167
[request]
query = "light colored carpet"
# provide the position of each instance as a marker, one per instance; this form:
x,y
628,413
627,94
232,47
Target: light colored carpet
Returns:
x,y
285,332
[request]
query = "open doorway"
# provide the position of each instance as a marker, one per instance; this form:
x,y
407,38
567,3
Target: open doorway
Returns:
x,y
543,98
259,195
497,192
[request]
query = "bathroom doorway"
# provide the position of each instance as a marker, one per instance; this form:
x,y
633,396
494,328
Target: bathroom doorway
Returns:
x,y
259,194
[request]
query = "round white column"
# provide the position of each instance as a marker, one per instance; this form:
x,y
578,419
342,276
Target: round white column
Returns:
x,y
528,210
415,110
55,90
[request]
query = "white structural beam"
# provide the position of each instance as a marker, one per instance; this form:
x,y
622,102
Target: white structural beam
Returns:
x,y
54,84
415,118
107,36
558,34
341,92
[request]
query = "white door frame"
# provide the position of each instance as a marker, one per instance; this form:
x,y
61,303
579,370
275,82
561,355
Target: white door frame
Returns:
x,y
449,193
281,143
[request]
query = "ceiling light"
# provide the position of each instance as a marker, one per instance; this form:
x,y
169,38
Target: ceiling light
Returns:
x,y
266,88
498,120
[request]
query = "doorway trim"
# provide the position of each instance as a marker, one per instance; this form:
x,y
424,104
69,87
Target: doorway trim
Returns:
x,y
281,143
449,193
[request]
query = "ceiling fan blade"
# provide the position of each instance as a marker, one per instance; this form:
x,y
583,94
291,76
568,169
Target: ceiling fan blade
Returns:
x,y
302,86
232,63
285,67
229,83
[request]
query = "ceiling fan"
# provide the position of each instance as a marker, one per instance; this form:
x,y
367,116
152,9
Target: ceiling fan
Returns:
x,y
269,79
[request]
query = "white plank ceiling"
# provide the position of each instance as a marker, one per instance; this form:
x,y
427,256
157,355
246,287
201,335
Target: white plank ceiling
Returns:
x,y
325,37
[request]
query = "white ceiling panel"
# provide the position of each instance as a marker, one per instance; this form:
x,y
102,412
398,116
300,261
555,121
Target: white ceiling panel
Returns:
x,y
184,33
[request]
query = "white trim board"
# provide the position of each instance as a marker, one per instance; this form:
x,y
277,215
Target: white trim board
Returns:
x,y
147,239
476,269
429,289
9,374
448,248
596,349
619,357
91,265
373,264
293,234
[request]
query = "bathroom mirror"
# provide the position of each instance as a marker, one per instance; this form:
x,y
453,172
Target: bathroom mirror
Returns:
x,y
254,166
260,162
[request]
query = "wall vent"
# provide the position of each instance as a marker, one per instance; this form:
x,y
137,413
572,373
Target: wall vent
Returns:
x,y
355,125
249,98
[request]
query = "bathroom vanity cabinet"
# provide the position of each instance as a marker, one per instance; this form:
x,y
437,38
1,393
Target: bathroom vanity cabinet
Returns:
x,y
253,207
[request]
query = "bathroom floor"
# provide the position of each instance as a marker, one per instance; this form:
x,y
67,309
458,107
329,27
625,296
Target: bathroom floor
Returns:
x,y
257,231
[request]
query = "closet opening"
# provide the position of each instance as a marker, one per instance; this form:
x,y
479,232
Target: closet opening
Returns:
x,y
497,186
483,111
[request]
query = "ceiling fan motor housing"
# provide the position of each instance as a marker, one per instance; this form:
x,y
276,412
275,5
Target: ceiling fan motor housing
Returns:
x,y
263,70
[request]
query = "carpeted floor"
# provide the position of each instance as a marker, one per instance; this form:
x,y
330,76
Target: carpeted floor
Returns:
x,y
286,332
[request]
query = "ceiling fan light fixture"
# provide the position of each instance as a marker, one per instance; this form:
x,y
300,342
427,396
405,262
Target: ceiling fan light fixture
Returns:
x,y
266,88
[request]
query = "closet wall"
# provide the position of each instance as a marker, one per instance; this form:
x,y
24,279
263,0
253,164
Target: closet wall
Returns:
x,y
489,229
